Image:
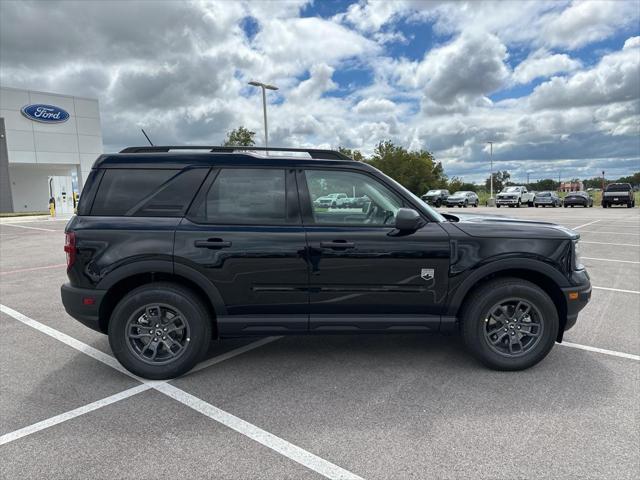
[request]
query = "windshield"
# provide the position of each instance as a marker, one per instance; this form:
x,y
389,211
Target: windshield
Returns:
x,y
460,194
544,194
511,189
433,192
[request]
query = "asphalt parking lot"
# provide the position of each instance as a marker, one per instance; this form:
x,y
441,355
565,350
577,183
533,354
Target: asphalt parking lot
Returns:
x,y
374,407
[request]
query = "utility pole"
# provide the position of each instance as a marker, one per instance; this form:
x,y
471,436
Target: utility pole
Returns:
x,y
491,177
264,86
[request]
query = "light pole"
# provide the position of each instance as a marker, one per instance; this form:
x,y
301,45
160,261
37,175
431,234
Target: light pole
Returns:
x,y
491,177
264,86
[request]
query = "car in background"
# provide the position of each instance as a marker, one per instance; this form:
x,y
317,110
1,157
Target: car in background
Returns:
x,y
618,194
581,199
330,200
514,197
352,202
547,199
436,197
463,199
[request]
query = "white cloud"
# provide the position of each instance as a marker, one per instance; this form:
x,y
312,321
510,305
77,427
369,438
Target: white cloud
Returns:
x,y
616,78
588,21
543,64
374,106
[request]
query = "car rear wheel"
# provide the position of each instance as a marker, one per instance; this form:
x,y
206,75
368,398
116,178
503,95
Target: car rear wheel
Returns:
x,y
159,331
509,324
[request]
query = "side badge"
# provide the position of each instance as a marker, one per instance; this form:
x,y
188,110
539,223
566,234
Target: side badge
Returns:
x,y
427,274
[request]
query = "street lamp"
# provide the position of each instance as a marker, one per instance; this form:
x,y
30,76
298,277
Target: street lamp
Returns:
x,y
264,87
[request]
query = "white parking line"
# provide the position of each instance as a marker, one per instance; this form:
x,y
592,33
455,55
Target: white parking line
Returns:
x,y
76,412
30,228
289,450
293,452
606,243
601,350
609,260
617,290
585,225
22,270
610,233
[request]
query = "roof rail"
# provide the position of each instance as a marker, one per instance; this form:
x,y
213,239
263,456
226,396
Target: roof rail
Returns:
x,y
313,152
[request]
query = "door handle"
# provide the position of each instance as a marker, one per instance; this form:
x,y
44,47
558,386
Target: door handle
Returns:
x,y
337,244
212,243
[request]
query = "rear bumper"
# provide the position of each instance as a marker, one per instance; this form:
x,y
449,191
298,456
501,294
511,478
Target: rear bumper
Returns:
x,y
77,303
619,200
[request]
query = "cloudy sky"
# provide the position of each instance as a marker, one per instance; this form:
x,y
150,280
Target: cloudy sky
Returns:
x,y
556,85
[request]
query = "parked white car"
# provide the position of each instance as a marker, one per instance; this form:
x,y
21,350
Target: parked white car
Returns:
x,y
514,197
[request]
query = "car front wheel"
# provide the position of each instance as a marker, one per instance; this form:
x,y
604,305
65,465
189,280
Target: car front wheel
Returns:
x,y
509,324
159,331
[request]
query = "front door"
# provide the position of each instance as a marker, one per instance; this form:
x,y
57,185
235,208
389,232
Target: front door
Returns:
x,y
364,274
244,233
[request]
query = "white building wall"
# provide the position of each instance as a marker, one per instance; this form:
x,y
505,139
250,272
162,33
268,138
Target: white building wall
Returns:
x,y
37,150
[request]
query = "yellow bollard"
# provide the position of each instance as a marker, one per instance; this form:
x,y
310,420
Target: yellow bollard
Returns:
x,y
52,207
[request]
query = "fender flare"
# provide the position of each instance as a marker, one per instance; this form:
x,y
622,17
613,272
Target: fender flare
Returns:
x,y
457,297
170,268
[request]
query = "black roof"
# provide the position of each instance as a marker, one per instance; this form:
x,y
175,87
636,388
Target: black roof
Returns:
x,y
180,157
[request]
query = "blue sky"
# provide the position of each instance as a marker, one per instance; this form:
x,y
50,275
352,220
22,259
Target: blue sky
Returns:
x,y
554,84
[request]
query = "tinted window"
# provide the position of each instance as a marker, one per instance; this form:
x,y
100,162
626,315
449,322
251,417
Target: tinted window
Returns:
x,y
245,196
173,197
368,201
122,189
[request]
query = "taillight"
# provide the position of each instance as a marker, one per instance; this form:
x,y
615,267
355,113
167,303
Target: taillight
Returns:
x,y
70,248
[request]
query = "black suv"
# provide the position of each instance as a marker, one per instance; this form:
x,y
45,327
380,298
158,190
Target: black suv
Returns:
x,y
172,249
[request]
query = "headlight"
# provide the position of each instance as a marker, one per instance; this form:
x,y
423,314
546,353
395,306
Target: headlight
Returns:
x,y
577,257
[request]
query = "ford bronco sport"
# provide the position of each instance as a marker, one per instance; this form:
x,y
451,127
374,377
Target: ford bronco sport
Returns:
x,y
170,250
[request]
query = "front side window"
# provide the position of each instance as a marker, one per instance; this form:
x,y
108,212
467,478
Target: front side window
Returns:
x,y
365,202
254,196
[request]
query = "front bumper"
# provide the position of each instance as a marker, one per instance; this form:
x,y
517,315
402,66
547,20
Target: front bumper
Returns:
x,y
576,299
506,201
83,304
453,203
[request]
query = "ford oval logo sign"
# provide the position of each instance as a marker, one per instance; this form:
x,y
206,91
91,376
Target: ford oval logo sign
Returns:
x,y
45,113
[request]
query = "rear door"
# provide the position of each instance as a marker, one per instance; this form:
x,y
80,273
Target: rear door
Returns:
x,y
364,275
244,234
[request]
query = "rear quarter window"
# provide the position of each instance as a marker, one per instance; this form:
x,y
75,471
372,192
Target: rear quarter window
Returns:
x,y
146,192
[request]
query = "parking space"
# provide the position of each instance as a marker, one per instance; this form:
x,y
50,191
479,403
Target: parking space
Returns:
x,y
375,407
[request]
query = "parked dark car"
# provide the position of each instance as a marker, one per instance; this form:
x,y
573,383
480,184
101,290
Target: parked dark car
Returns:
x,y
463,199
618,194
546,199
436,197
580,199
170,250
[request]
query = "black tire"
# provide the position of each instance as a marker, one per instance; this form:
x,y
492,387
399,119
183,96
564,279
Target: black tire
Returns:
x,y
438,203
137,304
629,205
466,203
604,205
477,309
497,206
566,206
536,205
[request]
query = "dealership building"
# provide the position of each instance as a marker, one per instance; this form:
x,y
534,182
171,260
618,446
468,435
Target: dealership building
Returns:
x,y
48,143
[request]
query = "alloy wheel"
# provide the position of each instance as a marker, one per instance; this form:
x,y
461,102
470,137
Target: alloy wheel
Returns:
x,y
157,334
513,327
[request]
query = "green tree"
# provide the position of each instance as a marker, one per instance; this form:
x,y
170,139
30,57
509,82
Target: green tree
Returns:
x,y
455,184
546,184
416,170
240,137
355,154
500,179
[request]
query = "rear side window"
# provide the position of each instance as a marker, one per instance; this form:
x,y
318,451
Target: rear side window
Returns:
x,y
146,192
253,196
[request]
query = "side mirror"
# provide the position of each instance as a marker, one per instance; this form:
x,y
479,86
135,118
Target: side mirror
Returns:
x,y
408,220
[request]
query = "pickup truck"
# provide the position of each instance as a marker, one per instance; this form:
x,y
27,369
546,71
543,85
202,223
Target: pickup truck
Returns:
x,y
514,197
618,194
